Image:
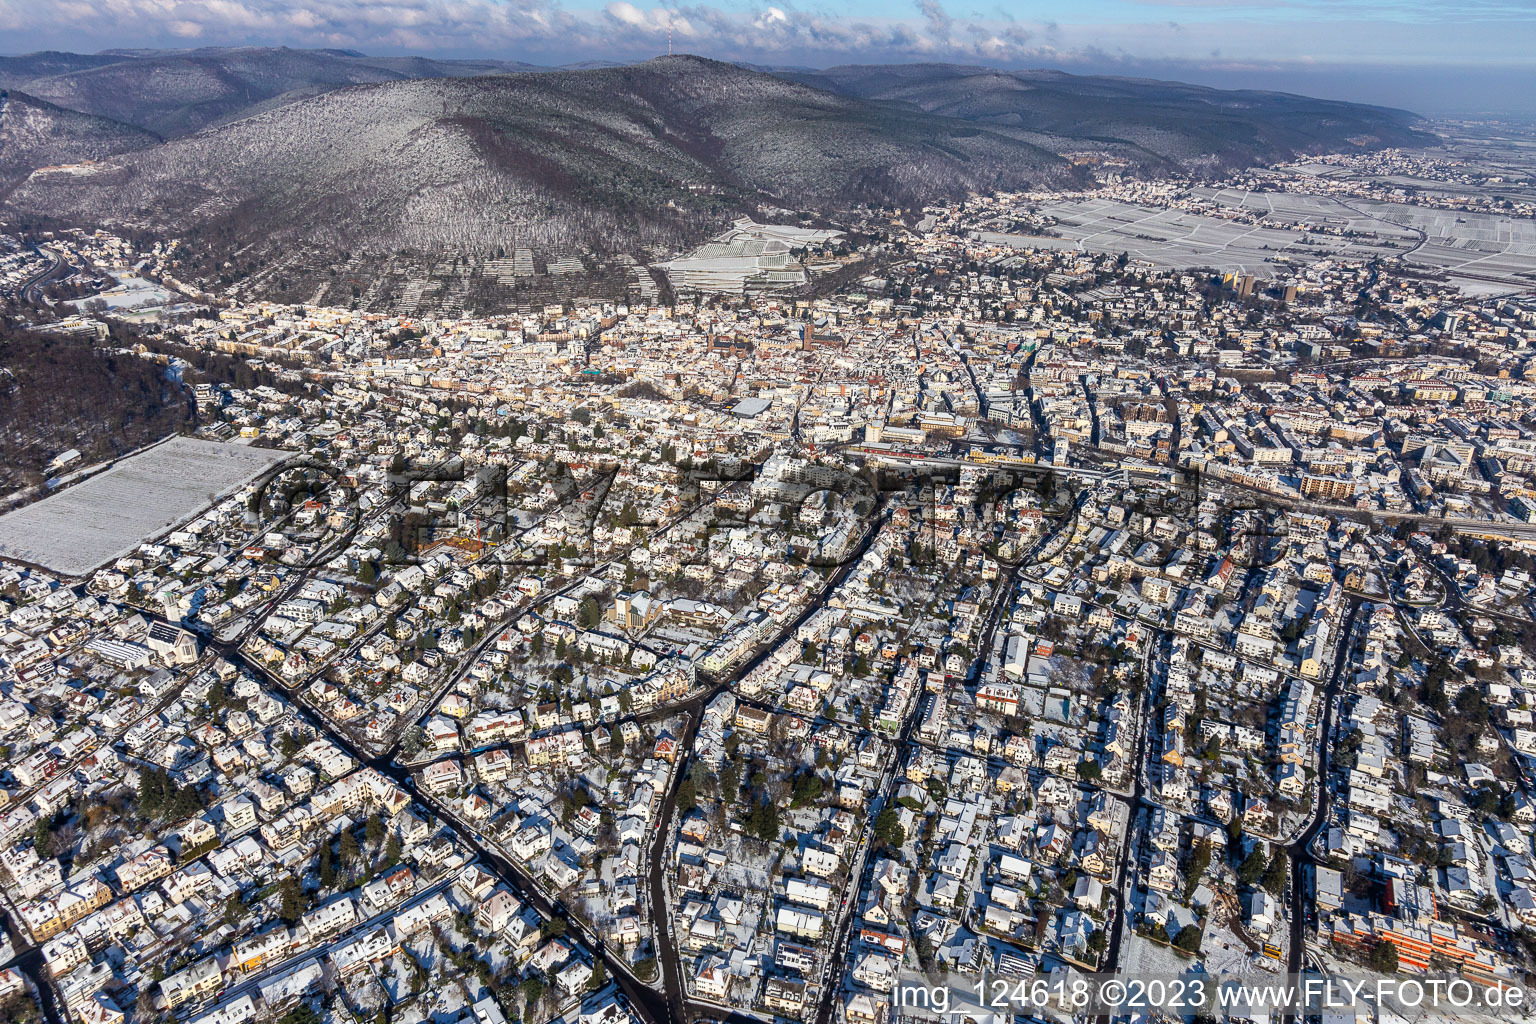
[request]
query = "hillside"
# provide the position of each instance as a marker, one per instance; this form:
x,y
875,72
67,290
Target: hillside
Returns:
x,y
57,394
1142,119
653,153
37,134
177,93
373,192
16,72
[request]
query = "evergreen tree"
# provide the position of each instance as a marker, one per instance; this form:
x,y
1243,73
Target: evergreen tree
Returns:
x,y
151,792
327,869
348,851
1253,866
532,989
1383,957
293,904
1199,861
687,795
888,828
590,613
763,822
41,834
1276,873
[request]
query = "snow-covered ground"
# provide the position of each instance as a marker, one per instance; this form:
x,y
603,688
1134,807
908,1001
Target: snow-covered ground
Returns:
x,y
1225,953
131,293
1144,958
84,526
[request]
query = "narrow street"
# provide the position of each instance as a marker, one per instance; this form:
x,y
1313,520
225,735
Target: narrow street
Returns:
x,y
1138,800
862,874
666,953
1300,850
30,963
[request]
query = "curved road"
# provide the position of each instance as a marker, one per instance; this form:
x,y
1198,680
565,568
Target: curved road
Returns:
x,y
30,290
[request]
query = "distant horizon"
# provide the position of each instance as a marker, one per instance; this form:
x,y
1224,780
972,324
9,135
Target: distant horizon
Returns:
x,y
1455,58
1505,92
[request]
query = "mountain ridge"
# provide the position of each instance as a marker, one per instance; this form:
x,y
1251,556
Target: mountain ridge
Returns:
x,y
450,163
35,133
174,93
1162,119
659,154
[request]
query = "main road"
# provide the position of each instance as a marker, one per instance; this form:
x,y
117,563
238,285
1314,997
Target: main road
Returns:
x,y
646,1003
30,290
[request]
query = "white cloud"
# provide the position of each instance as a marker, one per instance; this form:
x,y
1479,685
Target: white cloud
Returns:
x,y
625,13
620,29
544,31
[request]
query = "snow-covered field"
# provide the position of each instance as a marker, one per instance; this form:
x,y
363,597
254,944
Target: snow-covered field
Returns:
x,y
1499,252
1173,238
131,293
87,525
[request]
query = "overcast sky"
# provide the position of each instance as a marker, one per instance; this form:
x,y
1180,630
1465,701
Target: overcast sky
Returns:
x,y
1438,57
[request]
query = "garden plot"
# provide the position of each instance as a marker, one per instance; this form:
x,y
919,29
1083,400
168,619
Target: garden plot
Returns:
x,y
139,498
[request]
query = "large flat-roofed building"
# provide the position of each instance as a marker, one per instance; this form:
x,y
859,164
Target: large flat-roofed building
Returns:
x,y
750,408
